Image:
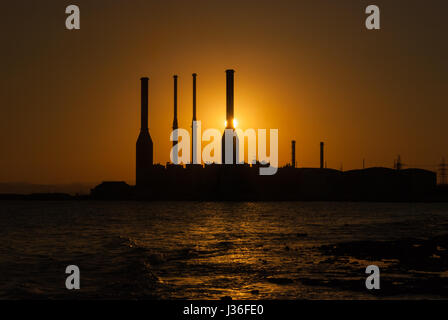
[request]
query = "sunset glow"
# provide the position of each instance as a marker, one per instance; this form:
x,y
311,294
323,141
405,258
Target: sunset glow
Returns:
x,y
119,182
293,73
235,123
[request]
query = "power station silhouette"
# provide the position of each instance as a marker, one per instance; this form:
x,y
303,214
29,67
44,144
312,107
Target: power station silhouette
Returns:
x,y
242,182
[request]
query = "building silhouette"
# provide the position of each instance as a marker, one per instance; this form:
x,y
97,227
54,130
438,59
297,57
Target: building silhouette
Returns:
x,y
242,182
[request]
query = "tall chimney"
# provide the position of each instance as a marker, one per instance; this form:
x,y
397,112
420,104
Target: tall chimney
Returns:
x,y
144,104
194,96
144,146
193,136
321,155
293,153
229,98
175,126
229,121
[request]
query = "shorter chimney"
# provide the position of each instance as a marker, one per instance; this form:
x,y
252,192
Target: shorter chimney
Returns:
x,y
293,153
321,155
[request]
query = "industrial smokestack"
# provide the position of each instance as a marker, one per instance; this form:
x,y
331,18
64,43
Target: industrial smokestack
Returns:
x,y
231,158
144,147
293,153
175,125
193,135
229,98
321,155
144,103
194,96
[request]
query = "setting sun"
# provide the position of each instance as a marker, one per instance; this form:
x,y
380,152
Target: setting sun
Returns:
x,y
235,123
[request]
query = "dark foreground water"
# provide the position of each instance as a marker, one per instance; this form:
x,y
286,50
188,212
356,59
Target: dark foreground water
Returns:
x,y
166,250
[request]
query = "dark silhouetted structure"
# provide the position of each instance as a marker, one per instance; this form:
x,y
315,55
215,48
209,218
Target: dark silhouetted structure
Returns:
x,y
229,98
321,155
229,115
398,163
144,148
175,125
193,142
293,153
194,96
243,182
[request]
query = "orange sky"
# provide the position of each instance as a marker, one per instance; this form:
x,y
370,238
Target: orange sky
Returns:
x,y
71,99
